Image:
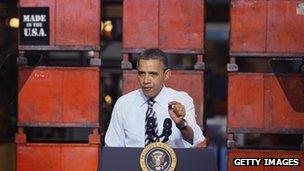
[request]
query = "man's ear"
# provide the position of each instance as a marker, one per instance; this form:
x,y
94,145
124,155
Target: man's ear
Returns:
x,y
167,74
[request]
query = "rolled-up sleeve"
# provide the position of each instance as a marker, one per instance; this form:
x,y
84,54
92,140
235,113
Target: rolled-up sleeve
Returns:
x,y
191,119
115,133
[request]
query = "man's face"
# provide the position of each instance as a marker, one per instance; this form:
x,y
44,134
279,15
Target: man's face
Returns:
x,y
151,76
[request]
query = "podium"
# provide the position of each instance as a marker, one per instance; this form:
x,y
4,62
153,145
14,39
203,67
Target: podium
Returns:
x,y
121,159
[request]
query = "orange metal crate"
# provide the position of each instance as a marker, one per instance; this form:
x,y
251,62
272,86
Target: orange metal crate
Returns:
x,y
248,26
191,82
73,24
58,96
266,28
171,25
59,157
264,102
239,153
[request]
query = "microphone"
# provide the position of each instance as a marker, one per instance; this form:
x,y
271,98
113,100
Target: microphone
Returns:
x,y
167,129
150,131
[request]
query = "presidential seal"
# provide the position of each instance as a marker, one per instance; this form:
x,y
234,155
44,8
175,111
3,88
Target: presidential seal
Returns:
x,y
158,156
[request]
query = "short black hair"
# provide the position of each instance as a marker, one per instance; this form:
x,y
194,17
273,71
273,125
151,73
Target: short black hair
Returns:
x,y
154,54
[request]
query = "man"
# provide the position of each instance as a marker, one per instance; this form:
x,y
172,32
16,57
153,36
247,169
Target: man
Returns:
x,y
130,114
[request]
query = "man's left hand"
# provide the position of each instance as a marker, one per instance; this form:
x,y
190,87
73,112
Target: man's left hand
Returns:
x,y
177,112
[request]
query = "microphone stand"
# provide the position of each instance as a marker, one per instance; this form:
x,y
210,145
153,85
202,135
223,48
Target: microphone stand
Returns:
x,y
150,131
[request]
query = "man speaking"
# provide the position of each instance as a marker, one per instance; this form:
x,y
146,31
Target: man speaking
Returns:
x,y
152,104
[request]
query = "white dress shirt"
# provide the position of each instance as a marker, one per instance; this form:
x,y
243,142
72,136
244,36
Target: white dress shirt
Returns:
x,y
127,125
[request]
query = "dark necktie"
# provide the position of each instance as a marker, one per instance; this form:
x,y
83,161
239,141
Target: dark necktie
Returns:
x,y
150,113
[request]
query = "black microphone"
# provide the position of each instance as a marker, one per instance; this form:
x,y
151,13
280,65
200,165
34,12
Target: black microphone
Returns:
x,y
167,129
150,131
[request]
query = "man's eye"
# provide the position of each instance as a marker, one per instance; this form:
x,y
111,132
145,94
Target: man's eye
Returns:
x,y
154,74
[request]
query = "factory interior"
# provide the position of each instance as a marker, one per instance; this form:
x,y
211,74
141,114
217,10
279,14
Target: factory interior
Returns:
x,y
244,72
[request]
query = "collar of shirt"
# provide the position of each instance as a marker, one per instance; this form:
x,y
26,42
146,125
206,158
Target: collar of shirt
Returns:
x,y
161,96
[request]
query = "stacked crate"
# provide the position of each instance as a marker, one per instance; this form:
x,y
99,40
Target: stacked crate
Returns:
x,y
174,26
265,102
59,97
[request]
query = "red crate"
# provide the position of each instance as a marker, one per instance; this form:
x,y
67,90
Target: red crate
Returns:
x,y
264,102
266,28
58,96
191,82
248,26
59,157
171,25
240,153
73,24
285,23
140,24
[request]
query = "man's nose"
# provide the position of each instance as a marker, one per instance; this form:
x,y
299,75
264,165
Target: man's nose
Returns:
x,y
146,79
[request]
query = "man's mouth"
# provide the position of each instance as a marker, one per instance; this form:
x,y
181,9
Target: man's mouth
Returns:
x,y
147,88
